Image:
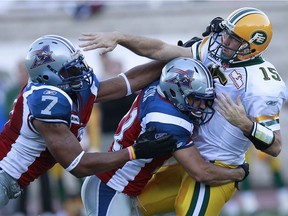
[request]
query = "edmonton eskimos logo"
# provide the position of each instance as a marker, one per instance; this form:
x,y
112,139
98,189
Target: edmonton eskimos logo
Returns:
x,y
258,38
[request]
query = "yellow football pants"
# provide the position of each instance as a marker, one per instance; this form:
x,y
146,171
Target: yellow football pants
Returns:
x,y
172,189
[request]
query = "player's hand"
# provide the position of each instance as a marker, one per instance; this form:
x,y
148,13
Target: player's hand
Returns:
x,y
246,168
214,26
234,113
106,41
148,146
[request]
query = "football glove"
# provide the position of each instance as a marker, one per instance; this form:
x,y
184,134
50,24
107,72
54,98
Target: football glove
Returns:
x,y
147,146
214,26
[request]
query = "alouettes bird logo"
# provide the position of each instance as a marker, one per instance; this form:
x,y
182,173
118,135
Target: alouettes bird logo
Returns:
x,y
42,56
184,77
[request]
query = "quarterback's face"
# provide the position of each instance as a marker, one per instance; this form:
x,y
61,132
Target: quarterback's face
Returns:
x,y
231,44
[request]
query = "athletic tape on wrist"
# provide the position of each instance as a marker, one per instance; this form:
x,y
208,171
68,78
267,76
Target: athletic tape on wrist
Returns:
x,y
262,133
261,136
75,162
128,86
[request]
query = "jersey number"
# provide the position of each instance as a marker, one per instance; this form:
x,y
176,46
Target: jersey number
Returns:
x,y
125,126
47,110
271,73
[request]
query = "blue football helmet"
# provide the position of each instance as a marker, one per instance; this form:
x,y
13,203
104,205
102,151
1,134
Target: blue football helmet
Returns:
x,y
185,77
53,60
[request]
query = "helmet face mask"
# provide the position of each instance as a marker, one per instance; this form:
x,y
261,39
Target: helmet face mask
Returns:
x,y
199,113
53,60
251,27
187,83
75,74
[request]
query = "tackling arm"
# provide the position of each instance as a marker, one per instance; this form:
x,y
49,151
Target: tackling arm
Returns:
x,y
59,139
206,172
67,151
138,77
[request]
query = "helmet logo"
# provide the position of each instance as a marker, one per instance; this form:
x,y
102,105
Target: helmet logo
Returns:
x,y
42,56
258,38
184,77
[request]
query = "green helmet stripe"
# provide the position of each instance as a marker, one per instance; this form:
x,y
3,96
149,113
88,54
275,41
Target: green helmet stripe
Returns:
x,y
242,13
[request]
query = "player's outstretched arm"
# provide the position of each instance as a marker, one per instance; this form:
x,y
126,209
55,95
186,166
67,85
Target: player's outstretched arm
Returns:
x,y
67,151
143,46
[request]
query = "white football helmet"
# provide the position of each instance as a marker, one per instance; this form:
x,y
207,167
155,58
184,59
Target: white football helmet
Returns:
x,y
53,60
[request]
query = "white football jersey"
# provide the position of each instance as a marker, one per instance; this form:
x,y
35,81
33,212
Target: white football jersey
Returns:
x,y
262,93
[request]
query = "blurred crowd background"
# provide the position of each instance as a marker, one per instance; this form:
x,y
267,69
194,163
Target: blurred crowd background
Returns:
x,y
21,22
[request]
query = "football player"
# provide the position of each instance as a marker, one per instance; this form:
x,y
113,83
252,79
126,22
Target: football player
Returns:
x,y
51,112
250,93
177,104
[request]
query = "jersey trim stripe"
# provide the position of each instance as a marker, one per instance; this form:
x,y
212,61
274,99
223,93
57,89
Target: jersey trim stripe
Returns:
x,y
267,118
273,124
168,119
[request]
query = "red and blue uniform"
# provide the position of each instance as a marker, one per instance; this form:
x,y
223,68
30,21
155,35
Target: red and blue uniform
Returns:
x,y
24,154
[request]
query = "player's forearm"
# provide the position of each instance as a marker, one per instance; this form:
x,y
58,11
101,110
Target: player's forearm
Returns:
x,y
143,46
138,77
276,147
93,163
204,171
216,175
142,75
111,89
264,139
151,47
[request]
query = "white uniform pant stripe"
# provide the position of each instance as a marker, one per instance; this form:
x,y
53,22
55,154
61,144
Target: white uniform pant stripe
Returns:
x,y
200,200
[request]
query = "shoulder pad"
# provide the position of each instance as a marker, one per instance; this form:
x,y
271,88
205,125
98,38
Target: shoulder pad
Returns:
x,y
50,104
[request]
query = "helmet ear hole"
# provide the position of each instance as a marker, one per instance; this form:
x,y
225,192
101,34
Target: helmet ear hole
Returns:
x,y
173,94
45,77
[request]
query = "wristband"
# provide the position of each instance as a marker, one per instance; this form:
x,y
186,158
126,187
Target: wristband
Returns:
x,y
128,86
75,162
131,152
261,136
